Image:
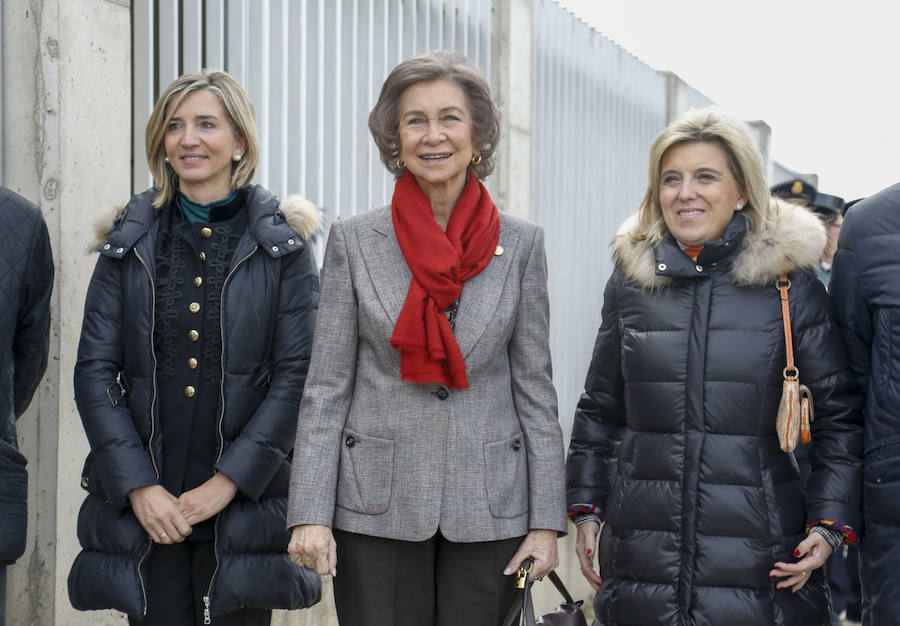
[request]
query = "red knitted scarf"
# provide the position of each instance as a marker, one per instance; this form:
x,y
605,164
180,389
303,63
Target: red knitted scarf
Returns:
x,y
440,262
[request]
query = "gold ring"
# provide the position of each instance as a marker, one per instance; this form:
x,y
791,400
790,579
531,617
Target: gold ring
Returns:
x,y
804,573
162,535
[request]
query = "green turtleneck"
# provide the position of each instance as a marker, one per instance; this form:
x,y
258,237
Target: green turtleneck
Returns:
x,y
195,212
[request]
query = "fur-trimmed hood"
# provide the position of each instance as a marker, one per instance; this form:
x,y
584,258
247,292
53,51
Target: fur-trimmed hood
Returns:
x,y
793,239
303,217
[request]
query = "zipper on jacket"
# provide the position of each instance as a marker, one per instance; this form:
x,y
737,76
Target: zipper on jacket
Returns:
x,y
141,578
153,353
152,409
207,618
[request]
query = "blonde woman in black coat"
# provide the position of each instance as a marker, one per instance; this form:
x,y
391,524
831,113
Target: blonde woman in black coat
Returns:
x,y
674,444
193,356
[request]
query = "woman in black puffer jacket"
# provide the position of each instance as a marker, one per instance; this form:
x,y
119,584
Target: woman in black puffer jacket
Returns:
x,y
674,443
194,350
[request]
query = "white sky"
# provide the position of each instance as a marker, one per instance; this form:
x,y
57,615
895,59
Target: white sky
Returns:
x,y
825,74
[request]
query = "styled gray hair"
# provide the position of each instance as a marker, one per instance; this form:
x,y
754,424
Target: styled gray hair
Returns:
x,y
384,120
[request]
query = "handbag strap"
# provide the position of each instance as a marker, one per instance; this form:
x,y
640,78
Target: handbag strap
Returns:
x,y
560,587
521,613
790,371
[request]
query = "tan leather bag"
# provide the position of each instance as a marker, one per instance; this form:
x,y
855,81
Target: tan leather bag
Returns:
x,y
795,411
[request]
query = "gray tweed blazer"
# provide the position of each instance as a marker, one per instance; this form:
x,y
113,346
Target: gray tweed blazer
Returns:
x,y
380,456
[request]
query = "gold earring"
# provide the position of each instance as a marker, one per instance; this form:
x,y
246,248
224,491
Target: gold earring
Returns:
x,y
401,164
476,159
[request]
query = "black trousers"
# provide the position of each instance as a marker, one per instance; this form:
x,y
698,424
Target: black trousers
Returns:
x,y
385,582
176,577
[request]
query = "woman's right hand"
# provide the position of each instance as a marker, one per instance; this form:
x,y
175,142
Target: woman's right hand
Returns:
x,y
313,546
157,511
586,549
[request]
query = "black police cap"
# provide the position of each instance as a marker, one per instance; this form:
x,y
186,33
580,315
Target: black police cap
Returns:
x,y
796,190
826,203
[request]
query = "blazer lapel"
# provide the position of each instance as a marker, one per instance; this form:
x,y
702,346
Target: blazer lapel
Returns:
x,y
481,294
385,264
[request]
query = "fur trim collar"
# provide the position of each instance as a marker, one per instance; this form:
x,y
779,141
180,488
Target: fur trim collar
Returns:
x,y
792,240
302,216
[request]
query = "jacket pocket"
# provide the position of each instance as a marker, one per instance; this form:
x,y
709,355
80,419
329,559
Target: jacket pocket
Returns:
x,y
13,503
90,478
506,476
366,473
881,485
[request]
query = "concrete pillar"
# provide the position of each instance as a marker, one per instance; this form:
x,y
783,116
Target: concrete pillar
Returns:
x,y
511,69
67,129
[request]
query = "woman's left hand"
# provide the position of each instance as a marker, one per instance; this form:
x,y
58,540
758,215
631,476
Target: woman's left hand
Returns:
x,y
201,503
814,551
540,545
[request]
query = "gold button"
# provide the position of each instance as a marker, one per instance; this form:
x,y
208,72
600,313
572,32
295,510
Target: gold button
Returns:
x,y
194,307
192,363
202,256
197,281
189,391
193,335
206,232
498,250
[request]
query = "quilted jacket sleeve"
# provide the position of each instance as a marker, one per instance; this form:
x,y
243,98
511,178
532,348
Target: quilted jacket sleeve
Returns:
x,y
32,339
600,415
851,311
835,482
254,457
121,459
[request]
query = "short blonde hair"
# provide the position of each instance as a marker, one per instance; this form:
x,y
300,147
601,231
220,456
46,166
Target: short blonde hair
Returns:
x,y
744,163
384,120
241,116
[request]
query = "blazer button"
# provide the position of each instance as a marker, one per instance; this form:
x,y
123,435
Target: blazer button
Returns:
x,y
441,393
198,280
189,391
350,441
517,445
206,232
85,481
192,363
193,335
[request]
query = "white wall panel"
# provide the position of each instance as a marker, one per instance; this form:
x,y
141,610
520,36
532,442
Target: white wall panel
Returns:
x,y
313,68
596,109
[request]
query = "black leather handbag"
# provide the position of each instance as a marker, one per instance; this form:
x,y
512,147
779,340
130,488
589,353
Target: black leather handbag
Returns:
x,y
521,613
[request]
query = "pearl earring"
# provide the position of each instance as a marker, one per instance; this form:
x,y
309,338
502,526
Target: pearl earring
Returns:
x,y
738,207
236,158
167,159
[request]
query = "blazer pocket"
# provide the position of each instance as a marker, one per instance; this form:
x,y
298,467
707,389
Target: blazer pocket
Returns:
x,y
506,476
366,473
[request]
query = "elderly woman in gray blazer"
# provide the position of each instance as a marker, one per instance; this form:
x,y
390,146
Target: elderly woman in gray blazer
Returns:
x,y
428,462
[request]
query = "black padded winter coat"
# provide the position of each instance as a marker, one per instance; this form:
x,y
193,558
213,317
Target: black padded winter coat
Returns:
x,y
865,290
674,437
26,280
268,307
